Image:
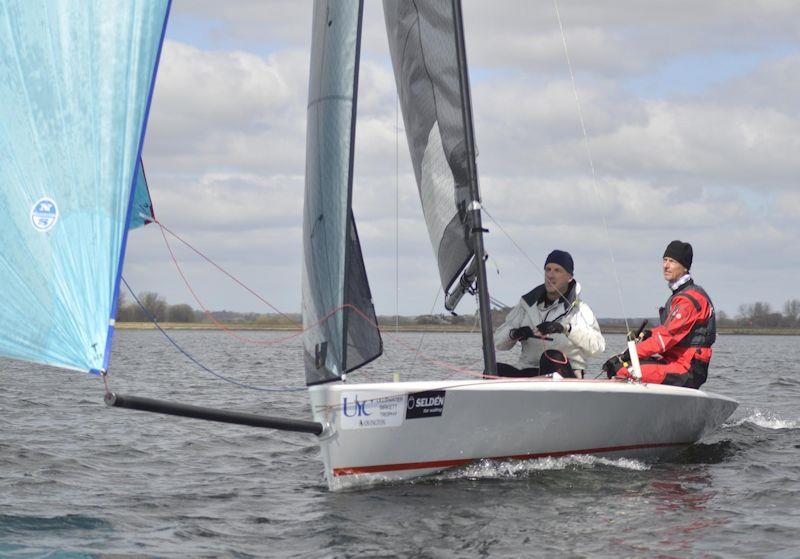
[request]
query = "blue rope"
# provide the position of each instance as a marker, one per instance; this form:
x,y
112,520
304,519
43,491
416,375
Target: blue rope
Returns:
x,y
195,361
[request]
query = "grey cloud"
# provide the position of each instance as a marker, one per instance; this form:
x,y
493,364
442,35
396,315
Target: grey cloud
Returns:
x,y
225,151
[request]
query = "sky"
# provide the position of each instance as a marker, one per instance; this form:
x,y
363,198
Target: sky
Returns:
x,y
692,119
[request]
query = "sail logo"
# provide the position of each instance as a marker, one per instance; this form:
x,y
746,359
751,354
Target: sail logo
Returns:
x,y
425,404
44,214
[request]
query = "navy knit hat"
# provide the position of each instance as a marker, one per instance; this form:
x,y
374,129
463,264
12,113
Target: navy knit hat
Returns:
x,y
563,259
681,252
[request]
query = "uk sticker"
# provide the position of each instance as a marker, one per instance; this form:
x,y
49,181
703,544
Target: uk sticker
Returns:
x,y
425,404
371,410
44,214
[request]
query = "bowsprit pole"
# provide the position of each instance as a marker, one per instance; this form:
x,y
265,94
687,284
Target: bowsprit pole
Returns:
x,y
213,414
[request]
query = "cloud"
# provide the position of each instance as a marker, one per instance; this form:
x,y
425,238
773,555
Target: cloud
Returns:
x,y
224,110
691,112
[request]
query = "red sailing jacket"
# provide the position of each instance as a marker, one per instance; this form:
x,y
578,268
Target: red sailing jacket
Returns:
x,y
687,330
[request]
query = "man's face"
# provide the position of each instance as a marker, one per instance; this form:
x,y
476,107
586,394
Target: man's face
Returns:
x,y
673,270
556,280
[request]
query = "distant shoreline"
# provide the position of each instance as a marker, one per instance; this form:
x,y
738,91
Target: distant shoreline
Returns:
x,y
445,329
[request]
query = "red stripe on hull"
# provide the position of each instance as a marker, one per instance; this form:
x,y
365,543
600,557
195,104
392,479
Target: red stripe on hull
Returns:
x,y
460,462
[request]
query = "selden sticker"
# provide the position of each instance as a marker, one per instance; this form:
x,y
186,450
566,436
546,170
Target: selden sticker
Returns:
x,y
425,404
368,410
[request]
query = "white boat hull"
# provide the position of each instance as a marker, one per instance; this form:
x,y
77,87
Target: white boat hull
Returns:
x,y
375,432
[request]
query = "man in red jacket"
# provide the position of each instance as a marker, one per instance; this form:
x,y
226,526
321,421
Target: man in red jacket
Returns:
x,y
678,351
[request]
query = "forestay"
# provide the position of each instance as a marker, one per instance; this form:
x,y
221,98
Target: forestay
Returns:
x,y
75,83
422,42
338,312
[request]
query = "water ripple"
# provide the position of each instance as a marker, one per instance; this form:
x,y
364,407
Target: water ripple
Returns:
x,y
82,480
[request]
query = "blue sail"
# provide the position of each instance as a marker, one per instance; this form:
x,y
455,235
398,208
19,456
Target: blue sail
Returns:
x,y
142,212
76,80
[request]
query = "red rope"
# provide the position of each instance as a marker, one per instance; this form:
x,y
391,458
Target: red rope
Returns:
x,y
302,330
205,309
207,259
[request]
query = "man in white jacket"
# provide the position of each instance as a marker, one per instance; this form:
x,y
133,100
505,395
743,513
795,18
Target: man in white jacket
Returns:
x,y
551,316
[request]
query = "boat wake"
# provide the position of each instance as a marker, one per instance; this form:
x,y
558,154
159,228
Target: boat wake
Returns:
x,y
765,420
503,469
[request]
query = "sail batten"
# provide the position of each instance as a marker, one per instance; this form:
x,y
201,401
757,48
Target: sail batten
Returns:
x,y
75,80
338,313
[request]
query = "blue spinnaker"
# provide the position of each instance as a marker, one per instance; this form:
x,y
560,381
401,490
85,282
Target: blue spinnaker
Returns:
x,y
76,80
142,212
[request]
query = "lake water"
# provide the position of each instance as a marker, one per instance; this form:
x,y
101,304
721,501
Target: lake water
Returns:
x,y
78,479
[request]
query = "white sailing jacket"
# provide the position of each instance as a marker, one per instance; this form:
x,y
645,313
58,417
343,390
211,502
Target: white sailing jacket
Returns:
x,y
581,337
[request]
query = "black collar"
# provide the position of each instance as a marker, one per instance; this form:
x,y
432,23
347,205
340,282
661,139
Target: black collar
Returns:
x,y
538,295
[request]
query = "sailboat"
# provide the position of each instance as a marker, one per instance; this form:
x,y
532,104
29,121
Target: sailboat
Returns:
x,y
76,81
375,432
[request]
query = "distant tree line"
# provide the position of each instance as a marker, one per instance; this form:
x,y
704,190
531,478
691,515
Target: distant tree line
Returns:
x,y
761,315
750,315
157,307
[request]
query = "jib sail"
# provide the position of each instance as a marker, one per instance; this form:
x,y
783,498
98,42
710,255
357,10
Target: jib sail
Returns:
x,y
338,312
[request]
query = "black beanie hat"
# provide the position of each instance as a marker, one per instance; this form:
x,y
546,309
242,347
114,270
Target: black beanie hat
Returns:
x,y
681,252
563,259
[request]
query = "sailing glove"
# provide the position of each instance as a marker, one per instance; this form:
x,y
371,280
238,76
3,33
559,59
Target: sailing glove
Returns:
x,y
616,362
612,366
520,334
550,328
643,335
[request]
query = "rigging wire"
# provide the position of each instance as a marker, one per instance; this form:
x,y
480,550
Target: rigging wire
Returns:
x,y
224,271
587,147
198,363
591,164
476,322
525,254
397,212
208,313
418,351
510,238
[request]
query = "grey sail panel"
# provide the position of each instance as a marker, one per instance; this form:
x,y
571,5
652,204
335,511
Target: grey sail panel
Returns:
x,y
422,42
363,339
337,339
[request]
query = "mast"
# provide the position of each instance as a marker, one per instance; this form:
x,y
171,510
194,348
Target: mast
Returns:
x,y
474,206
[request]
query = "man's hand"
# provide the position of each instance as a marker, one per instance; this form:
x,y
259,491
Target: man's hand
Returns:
x,y
520,334
612,366
646,333
616,363
550,328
